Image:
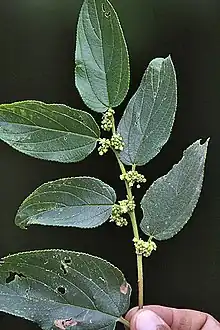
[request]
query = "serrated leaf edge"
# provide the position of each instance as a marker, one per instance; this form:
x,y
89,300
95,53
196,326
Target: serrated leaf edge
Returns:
x,y
159,179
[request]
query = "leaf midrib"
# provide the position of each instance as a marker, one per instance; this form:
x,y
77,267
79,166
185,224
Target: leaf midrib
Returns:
x,y
36,193
49,129
144,137
24,106
53,130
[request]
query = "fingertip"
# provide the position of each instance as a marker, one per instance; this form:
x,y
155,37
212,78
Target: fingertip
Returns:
x,y
131,313
172,318
146,319
163,312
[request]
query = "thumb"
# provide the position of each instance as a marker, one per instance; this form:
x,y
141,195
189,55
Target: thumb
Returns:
x,y
147,320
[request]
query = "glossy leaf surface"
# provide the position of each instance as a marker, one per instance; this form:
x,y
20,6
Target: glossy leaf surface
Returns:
x,y
102,65
48,131
81,202
148,119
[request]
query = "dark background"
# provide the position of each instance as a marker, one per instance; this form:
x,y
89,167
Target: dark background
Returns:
x,y
37,39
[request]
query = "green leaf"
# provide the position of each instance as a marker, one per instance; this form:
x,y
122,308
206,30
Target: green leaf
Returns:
x,y
48,131
81,202
148,119
171,199
54,286
102,65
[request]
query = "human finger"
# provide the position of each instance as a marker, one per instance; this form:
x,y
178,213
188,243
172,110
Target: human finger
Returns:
x,y
174,318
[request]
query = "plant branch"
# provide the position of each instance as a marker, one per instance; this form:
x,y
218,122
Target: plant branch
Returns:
x,y
113,125
124,321
134,227
136,235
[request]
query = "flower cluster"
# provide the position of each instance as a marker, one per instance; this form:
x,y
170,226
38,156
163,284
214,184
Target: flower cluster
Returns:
x,y
116,216
123,207
117,142
127,205
145,248
104,145
106,123
133,177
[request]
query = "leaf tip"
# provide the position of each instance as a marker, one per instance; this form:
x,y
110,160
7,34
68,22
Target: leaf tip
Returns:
x,y
204,141
202,144
169,57
21,224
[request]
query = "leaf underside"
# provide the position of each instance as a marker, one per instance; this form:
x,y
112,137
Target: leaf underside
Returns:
x,y
48,131
82,202
102,71
148,119
169,203
51,287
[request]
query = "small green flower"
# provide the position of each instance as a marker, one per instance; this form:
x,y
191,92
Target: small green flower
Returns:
x,y
127,205
107,123
145,248
117,142
133,177
121,208
116,210
116,216
104,145
119,221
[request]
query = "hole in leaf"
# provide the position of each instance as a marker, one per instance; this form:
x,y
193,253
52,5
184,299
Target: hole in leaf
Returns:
x,y
67,260
61,290
12,275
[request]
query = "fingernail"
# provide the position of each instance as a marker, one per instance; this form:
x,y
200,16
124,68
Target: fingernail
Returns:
x,y
148,320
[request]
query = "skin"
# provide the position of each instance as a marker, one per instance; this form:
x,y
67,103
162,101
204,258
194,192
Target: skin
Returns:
x,y
165,318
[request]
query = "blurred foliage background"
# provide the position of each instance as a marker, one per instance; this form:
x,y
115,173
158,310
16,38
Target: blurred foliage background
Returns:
x,y
37,40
